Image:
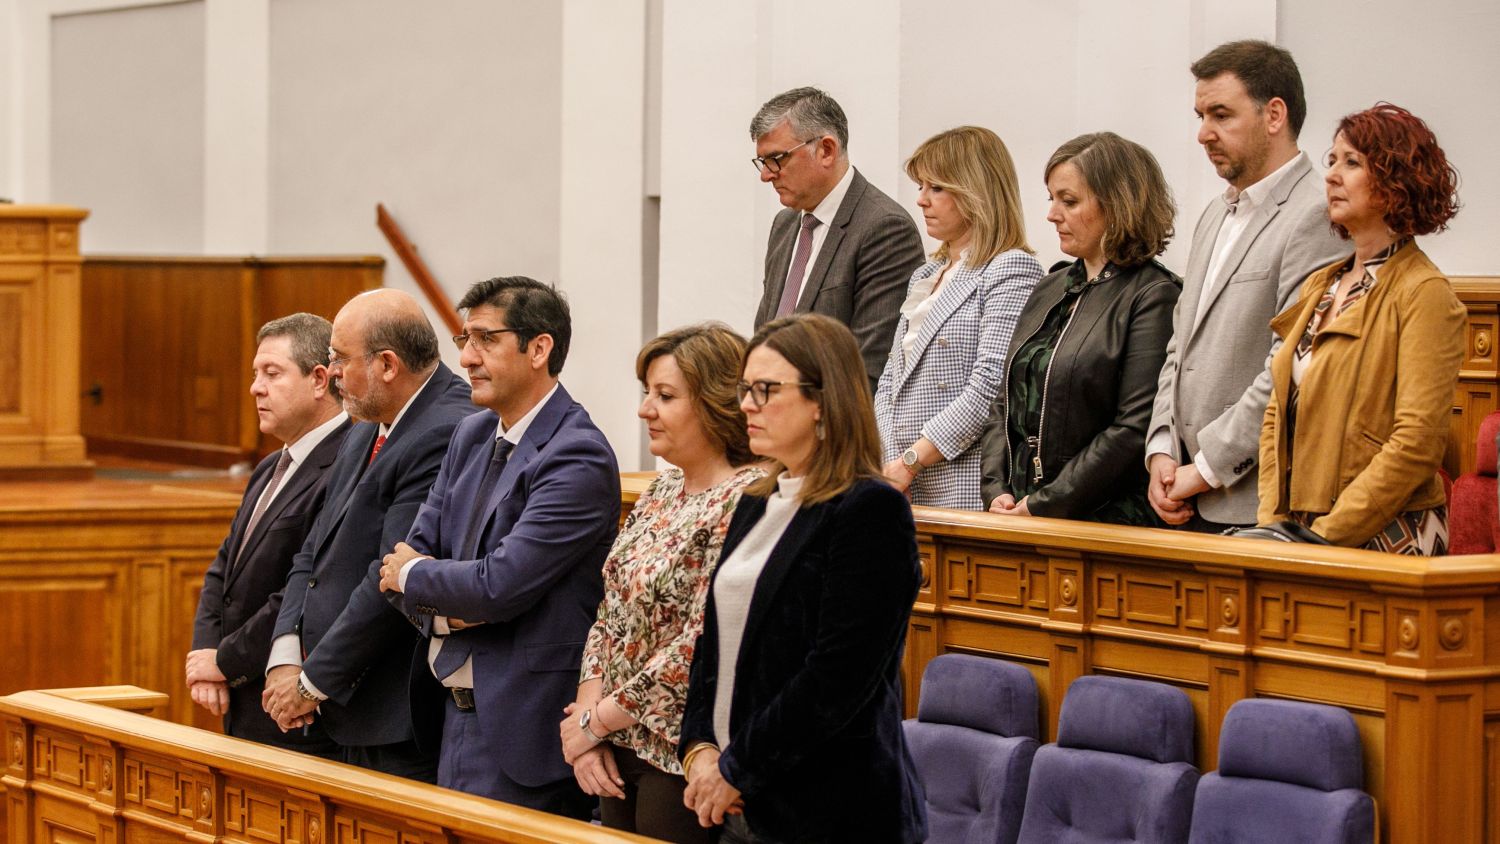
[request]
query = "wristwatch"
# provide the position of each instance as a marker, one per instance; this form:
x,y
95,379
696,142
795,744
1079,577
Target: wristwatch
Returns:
x,y
910,461
583,724
304,693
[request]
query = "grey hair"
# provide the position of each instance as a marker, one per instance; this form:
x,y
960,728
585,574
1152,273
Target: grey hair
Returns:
x,y
811,112
310,335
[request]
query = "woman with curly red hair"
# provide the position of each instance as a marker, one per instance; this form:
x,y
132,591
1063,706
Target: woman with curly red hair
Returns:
x,y
1362,387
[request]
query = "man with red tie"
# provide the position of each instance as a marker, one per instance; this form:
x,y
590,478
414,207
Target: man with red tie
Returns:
x,y
298,404
339,647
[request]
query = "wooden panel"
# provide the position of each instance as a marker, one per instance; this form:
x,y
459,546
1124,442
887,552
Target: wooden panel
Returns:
x,y
179,391
1475,397
39,325
76,771
99,583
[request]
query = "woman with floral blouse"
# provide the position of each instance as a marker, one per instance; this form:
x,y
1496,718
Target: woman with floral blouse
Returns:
x,y
621,734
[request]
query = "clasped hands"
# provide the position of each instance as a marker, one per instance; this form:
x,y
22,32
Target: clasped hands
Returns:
x,y
708,794
207,685
1172,487
281,701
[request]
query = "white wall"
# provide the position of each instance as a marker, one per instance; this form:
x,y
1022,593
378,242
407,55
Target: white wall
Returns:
x,y
127,125
1440,61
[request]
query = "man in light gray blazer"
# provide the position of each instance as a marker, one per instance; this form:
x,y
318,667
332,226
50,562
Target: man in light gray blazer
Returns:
x,y
840,247
1251,251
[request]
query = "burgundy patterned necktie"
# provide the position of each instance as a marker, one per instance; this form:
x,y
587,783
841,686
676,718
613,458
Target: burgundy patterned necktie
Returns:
x,y
798,272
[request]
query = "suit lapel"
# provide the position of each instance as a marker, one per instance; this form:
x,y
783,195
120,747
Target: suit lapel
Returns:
x,y
831,241
1262,217
307,474
783,237
959,286
366,439
788,549
1197,270
538,433
243,542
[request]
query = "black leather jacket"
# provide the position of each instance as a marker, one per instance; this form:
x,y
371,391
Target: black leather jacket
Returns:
x,y
1100,390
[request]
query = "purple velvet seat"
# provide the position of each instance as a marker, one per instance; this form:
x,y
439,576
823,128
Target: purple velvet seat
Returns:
x,y
1121,770
1288,772
972,741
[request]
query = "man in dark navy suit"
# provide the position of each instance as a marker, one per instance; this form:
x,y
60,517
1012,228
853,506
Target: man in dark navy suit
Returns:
x,y
298,404
502,566
339,647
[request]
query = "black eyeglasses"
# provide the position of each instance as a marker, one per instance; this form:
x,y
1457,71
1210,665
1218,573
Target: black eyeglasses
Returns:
x,y
773,162
760,391
483,340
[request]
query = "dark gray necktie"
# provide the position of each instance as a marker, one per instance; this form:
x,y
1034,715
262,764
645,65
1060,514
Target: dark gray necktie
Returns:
x,y
457,649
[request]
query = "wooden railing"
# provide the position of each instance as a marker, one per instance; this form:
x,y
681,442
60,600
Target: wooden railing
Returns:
x,y
81,771
1478,392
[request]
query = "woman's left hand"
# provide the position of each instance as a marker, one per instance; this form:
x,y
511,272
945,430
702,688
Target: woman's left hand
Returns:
x,y
1019,509
897,473
708,794
575,742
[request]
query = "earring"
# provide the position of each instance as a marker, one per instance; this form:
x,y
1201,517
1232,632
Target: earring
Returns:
x,y
818,429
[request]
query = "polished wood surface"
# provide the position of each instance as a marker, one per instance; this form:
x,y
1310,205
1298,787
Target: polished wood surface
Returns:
x,y
167,352
99,582
1478,392
39,330
1410,646
76,771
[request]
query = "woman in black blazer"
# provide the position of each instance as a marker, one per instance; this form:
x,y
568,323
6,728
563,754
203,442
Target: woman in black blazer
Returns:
x,y
793,723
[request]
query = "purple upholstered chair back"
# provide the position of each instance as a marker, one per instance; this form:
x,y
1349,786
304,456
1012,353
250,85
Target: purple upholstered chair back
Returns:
x,y
1121,770
1287,772
972,741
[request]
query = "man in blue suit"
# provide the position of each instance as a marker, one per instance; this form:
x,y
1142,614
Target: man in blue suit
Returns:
x,y
339,647
502,566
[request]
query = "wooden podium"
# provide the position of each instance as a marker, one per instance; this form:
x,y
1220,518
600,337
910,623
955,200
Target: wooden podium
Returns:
x,y
39,333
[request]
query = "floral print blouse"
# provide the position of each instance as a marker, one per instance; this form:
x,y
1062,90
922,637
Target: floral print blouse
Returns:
x,y
655,587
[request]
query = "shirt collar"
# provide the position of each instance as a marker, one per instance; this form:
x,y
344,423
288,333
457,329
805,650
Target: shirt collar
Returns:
x,y
309,441
829,207
1254,196
385,430
518,430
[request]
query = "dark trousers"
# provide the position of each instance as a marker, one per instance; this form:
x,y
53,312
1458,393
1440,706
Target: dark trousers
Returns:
x,y
653,804
403,759
467,766
736,831
1198,524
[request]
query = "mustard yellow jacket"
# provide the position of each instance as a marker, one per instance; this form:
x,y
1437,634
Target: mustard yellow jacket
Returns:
x,y
1372,420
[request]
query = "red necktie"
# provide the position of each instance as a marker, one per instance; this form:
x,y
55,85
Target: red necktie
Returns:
x,y
379,441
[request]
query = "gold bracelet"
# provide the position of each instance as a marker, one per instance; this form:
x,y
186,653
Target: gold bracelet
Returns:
x,y
687,759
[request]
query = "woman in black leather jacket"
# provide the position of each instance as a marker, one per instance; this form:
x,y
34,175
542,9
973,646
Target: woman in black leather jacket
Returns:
x,y
1066,437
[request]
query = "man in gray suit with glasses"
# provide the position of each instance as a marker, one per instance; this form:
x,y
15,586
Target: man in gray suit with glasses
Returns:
x,y
840,247
1252,249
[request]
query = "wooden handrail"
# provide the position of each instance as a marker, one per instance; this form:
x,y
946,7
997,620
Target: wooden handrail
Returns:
x,y
167,782
407,252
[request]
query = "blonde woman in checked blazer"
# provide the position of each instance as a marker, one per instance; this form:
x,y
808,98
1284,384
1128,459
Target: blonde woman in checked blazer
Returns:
x,y
948,353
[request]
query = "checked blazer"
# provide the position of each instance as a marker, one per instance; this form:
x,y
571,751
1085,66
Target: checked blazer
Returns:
x,y
945,387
